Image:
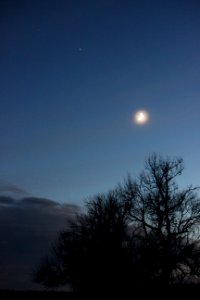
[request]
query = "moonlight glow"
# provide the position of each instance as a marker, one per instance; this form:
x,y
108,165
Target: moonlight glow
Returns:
x,y
141,117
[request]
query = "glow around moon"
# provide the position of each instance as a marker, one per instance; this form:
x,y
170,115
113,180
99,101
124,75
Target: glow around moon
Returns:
x,y
141,117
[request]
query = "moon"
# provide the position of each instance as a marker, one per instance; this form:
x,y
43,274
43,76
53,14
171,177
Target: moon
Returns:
x,y
141,117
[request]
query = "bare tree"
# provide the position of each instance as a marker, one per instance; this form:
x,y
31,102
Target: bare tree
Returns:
x,y
143,232
168,219
93,254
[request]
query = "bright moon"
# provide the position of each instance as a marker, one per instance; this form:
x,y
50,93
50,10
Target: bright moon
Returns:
x,y
141,117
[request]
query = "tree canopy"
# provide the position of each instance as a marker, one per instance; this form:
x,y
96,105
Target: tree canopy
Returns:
x,y
168,219
145,231
93,253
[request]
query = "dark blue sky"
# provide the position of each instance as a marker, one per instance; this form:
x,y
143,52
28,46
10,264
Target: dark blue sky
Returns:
x,y
73,73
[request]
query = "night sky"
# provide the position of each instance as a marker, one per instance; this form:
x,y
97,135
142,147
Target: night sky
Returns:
x,y
72,74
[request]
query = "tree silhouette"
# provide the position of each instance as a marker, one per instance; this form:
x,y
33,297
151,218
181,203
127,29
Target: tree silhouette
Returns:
x,y
144,232
168,222
94,253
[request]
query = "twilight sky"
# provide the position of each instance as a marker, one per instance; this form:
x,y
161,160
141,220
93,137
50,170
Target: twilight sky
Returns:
x,y
73,73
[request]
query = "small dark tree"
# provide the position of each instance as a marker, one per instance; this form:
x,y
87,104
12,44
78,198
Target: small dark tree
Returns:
x,y
167,220
93,254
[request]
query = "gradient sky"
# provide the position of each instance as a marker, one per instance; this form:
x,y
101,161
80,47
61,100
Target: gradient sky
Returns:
x,y
73,73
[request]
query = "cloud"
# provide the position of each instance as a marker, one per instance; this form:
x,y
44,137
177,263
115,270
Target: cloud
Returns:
x,y
28,227
10,189
6,200
39,202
